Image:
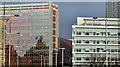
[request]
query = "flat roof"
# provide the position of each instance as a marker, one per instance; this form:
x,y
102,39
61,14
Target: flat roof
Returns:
x,y
15,5
92,18
80,20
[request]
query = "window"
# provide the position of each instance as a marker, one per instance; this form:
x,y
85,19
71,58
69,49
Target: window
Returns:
x,y
87,59
78,41
108,33
112,50
104,42
93,33
78,58
97,33
98,49
78,33
118,42
87,42
87,33
78,50
118,34
86,50
94,50
118,50
94,42
101,33
97,42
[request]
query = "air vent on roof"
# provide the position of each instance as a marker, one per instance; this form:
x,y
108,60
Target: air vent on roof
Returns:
x,y
94,17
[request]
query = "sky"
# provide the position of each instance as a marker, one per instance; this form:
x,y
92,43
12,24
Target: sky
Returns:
x,y
69,11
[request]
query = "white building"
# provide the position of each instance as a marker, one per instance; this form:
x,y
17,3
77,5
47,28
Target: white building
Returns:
x,y
90,39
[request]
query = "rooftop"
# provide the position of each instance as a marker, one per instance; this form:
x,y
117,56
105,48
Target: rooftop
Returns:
x,y
80,20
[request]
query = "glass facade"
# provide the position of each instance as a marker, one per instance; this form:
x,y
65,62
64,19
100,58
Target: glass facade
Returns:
x,y
29,22
113,9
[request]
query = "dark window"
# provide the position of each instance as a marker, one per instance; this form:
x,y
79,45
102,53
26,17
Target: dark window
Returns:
x,y
112,50
94,50
104,42
112,59
118,42
78,33
97,33
87,42
97,42
24,54
87,58
79,41
78,58
79,50
93,33
108,33
94,42
101,33
119,59
118,34
87,33
98,49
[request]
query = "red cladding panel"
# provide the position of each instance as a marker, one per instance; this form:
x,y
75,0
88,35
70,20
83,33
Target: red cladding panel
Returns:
x,y
53,25
53,32
53,45
56,7
53,39
53,51
53,59
54,18
53,12
53,5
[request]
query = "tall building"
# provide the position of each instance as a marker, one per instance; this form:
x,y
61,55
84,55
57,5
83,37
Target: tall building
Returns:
x,y
113,9
29,21
94,40
3,21
12,54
